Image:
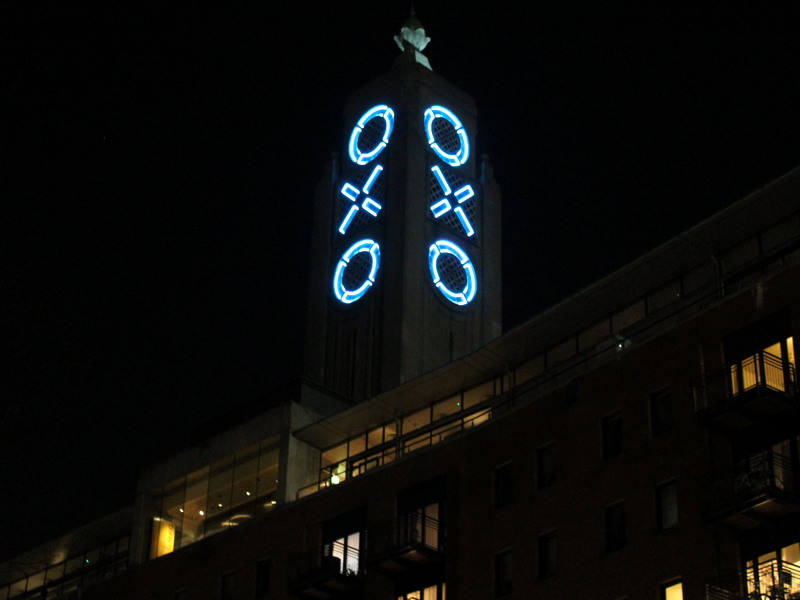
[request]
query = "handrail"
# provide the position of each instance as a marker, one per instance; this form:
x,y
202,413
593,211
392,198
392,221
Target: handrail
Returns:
x,y
767,472
761,370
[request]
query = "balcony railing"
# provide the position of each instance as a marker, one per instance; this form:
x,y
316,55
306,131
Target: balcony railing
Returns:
x,y
770,580
412,542
332,570
769,484
757,390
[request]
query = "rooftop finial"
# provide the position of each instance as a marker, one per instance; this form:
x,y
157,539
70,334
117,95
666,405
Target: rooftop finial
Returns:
x,y
412,39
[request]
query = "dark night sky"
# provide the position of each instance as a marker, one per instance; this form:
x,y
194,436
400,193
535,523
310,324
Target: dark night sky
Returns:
x,y
164,160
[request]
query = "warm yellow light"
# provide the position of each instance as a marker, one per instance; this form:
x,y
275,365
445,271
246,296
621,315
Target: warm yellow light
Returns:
x,y
674,592
335,479
163,541
202,512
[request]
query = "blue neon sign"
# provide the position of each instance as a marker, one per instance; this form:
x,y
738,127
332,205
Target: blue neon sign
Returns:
x,y
444,206
462,154
352,193
466,294
380,111
347,296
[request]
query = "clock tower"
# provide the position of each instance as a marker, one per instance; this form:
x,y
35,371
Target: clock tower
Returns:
x,y
405,270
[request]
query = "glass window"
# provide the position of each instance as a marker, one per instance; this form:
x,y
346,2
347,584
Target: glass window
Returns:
x,y
548,556
478,394
447,407
416,420
502,573
357,445
612,434
667,505
375,437
660,412
433,592
615,526
546,466
503,486
195,507
228,587
672,591
263,568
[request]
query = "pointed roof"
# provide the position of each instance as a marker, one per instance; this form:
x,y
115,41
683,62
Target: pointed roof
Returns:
x,y
412,40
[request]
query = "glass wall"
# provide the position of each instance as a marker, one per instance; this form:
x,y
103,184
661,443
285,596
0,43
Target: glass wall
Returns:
x,y
216,497
63,579
385,443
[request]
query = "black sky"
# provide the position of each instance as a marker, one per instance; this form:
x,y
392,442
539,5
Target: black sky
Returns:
x,y
163,161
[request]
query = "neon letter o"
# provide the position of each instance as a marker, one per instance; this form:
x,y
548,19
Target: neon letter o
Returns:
x,y
459,297
440,112
380,111
340,291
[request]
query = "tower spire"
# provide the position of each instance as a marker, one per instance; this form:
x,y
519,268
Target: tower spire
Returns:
x,y
412,40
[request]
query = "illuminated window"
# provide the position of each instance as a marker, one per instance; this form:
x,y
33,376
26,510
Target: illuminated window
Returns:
x,y
772,367
667,505
433,592
672,591
615,526
502,573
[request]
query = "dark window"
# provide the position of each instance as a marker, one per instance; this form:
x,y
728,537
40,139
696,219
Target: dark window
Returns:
x,y
546,466
667,505
262,577
503,486
548,556
502,573
660,412
182,595
612,434
615,526
228,590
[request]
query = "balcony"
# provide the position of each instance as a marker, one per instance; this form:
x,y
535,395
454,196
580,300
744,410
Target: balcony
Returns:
x,y
771,580
759,393
330,571
765,492
412,545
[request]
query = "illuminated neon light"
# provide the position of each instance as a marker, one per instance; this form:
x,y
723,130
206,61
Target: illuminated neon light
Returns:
x,y
464,194
347,219
372,178
380,111
440,208
437,172
437,112
352,193
340,291
461,297
464,221
371,207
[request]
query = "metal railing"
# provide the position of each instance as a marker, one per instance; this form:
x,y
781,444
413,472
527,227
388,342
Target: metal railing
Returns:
x,y
770,580
761,371
413,531
326,561
766,473
412,441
